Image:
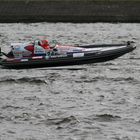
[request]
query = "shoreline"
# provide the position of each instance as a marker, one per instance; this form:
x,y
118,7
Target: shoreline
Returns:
x,y
69,11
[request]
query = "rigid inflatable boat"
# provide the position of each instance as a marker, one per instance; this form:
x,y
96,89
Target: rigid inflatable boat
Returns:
x,y
33,55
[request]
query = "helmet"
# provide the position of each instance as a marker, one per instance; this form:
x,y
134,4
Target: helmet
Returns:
x,y
45,42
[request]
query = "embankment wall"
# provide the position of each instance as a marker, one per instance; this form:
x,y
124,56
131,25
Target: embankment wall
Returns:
x,y
69,11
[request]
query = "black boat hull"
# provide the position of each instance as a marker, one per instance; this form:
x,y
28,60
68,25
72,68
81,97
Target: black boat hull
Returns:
x,y
89,57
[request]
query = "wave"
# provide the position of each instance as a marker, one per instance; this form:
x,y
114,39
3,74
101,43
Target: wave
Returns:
x,y
11,106
59,121
32,80
103,78
134,58
107,117
64,68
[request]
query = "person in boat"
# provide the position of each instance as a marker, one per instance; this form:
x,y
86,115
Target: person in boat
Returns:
x,y
38,48
41,47
44,44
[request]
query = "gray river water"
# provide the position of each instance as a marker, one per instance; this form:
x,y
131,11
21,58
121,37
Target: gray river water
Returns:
x,y
84,102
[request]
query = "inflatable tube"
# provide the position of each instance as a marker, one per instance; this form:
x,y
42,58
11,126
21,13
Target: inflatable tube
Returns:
x,y
90,54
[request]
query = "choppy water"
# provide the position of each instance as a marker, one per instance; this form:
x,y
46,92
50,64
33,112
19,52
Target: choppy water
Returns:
x,y
85,102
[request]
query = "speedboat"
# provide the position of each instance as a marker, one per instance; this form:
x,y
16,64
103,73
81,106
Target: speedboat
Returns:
x,y
22,56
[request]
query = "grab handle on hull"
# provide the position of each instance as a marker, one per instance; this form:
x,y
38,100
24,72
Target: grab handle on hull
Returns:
x,y
131,44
